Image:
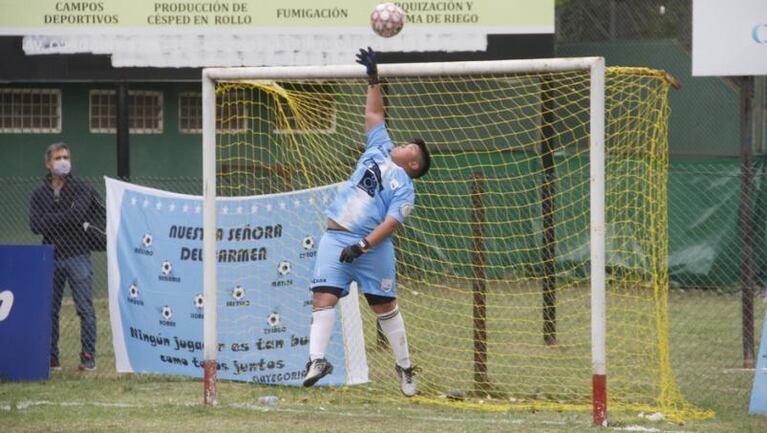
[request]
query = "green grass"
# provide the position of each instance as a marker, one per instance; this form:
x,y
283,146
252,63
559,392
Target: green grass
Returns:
x,y
706,353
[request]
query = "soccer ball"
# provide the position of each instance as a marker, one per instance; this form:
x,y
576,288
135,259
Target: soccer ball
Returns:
x,y
133,291
387,20
238,293
166,268
166,312
284,267
273,319
308,242
199,301
147,240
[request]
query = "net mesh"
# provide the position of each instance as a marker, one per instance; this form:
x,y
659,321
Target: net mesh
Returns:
x,y
493,265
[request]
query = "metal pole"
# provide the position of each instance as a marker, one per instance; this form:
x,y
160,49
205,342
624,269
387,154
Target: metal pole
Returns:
x,y
210,333
758,107
746,221
548,250
530,66
598,255
481,380
123,133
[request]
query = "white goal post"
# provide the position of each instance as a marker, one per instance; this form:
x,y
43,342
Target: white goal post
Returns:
x,y
594,65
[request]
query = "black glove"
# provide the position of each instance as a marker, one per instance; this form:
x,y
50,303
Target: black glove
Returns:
x,y
353,251
367,58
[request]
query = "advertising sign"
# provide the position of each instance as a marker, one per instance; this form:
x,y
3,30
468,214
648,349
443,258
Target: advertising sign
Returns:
x,y
266,250
26,285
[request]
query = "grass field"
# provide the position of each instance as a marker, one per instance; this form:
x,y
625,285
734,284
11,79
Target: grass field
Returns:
x,y
706,354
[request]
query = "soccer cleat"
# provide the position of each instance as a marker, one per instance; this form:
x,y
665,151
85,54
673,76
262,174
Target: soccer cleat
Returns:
x,y
406,380
87,362
316,370
55,365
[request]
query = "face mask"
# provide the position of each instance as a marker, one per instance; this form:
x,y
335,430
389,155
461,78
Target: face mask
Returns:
x,y
61,167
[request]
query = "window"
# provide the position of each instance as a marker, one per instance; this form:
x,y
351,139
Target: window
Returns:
x,y
231,113
316,112
30,111
190,112
144,111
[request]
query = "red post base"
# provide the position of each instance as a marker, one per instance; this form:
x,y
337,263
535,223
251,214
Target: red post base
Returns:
x,y
209,382
599,399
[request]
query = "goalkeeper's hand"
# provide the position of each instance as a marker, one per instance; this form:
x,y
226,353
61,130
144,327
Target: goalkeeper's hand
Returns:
x,y
353,251
367,58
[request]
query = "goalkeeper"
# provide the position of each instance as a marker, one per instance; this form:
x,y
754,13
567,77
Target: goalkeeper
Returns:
x,y
358,243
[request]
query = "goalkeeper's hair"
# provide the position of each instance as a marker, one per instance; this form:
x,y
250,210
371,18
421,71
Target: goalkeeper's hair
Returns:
x,y
426,162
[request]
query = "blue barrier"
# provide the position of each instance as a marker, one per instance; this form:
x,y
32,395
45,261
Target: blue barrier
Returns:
x,y
759,391
26,280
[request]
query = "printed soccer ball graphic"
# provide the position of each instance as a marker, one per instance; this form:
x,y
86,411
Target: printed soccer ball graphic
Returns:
x,y
133,291
146,240
387,19
273,319
166,312
166,268
238,293
308,242
284,267
199,301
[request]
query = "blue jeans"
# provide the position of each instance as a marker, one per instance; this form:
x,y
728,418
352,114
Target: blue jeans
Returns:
x,y
77,270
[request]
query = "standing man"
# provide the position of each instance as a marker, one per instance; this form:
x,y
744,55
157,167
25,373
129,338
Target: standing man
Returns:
x,y
357,245
57,211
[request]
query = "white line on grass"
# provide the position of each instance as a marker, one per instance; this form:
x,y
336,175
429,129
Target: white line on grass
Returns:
x,y
369,415
25,404
738,370
647,429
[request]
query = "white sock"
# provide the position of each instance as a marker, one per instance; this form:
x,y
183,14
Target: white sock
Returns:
x,y
393,327
322,328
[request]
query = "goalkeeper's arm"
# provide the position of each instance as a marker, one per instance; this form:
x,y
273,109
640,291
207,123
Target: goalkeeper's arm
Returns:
x,y
374,108
382,231
378,235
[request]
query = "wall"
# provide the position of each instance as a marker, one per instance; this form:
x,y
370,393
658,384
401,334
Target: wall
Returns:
x,y
170,154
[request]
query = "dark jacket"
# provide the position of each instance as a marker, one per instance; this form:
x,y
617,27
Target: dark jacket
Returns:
x,y
60,219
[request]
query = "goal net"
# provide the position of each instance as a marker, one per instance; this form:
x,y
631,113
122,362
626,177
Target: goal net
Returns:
x,y
500,273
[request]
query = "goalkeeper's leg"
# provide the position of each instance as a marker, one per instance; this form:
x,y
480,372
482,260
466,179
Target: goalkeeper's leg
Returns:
x,y
331,280
393,327
323,321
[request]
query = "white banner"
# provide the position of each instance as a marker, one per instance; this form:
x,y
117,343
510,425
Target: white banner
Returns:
x,y
266,249
729,37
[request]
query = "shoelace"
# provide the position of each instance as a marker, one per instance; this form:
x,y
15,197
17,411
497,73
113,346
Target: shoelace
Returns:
x,y
410,373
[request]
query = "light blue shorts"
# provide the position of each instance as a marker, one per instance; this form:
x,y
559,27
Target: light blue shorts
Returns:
x,y
373,271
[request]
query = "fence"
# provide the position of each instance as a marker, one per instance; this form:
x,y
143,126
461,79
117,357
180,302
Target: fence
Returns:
x,y
610,20
705,264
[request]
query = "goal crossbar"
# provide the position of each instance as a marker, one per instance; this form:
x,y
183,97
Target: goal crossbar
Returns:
x,y
482,67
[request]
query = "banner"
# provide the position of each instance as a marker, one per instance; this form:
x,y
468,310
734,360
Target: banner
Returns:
x,y
729,38
26,286
758,405
265,255
136,17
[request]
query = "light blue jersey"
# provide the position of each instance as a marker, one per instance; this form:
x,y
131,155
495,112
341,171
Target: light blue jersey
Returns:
x,y
377,189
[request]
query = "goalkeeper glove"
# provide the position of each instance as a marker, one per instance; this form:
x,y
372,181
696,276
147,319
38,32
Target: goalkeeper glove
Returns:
x,y
367,58
353,251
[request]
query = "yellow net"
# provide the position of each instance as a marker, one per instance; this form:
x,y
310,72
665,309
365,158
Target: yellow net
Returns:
x,y
493,265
